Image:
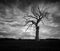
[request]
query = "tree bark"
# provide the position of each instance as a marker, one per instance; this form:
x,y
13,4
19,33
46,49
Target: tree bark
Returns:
x,y
37,33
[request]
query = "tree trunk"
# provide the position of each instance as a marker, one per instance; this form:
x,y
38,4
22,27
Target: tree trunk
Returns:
x,y
37,33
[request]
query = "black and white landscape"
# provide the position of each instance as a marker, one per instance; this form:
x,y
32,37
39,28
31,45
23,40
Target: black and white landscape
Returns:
x,y
30,20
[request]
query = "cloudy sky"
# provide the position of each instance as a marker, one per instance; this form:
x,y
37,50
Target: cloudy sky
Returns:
x,y
50,28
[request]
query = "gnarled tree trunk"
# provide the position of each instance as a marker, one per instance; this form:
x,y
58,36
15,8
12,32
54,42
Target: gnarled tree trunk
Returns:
x,y
37,33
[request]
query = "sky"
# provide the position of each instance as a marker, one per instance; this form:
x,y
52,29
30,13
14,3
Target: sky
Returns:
x,y
50,28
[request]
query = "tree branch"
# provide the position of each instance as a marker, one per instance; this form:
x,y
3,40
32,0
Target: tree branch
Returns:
x,y
39,11
31,16
42,21
40,14
31,21
34,12
28,27
26,18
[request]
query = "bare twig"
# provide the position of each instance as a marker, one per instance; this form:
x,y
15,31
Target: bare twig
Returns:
x,y
42,22
28,27
34,12
31,16
30,24
39,11
26,18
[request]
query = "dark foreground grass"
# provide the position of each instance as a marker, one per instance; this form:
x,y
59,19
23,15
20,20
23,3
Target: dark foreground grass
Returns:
x,y
12,44
29,43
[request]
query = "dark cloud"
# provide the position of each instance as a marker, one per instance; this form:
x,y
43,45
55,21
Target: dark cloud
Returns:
x,y
24,3
56,18
5,34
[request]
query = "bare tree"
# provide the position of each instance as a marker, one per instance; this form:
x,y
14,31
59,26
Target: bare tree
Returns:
x,y
38,15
